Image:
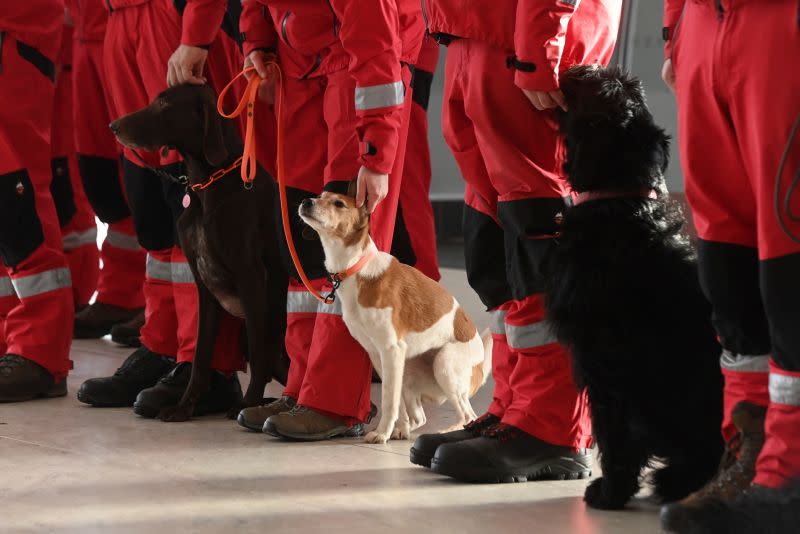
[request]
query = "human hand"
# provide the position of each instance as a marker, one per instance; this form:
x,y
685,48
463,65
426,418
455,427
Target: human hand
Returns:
x,y
668,74
543,100
186,65
372,187
259,59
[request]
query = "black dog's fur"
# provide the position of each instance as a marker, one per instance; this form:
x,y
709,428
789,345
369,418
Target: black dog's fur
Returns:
x,y
623,295
227,233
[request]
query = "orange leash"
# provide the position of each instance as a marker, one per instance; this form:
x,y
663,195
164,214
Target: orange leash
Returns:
x,y
249,166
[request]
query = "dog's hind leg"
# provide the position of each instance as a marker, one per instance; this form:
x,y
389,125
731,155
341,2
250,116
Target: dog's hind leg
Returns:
x,y
416,414
207,326
402,428
454,382
392,363
622,458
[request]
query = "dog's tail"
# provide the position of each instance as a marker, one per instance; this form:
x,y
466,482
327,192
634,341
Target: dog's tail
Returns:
x,y
481,371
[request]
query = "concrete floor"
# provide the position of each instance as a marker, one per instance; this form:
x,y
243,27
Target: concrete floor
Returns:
x,y
66,467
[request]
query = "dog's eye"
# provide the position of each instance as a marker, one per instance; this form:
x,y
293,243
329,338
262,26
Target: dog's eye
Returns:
x,y
339,204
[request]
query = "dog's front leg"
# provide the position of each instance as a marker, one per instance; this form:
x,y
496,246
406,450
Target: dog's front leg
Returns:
x,y
392,363
207,326
253,295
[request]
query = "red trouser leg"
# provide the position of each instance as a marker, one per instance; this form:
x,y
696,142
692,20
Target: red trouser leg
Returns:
x,y
8,300
301,316
78,228
504,361
511,155
159,333
727,129
779,461
414,194
39,326
122,275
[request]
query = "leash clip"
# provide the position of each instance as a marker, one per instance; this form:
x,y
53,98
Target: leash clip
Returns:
x,y
335,280
248,186
183,180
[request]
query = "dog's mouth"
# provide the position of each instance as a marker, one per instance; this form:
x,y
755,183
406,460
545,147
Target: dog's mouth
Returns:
x,y
127,143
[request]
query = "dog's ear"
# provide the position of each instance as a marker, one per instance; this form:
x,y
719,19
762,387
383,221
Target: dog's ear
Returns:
x,y
352,188
214,148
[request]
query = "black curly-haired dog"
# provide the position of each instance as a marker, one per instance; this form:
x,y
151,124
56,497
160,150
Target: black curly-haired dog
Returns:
x,y
623,295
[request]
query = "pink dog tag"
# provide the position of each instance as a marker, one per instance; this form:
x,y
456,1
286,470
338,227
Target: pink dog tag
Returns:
x,y
186,200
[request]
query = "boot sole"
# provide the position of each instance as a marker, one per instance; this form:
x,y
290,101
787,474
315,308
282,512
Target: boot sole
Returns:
x,y
561,468
355,431
87,399
418,458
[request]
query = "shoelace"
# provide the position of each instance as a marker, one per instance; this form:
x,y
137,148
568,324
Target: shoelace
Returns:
x,y
478,423
133,363
297,410
172,376
502,432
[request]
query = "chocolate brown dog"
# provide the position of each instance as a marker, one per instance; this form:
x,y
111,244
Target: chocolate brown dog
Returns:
x,y
227,232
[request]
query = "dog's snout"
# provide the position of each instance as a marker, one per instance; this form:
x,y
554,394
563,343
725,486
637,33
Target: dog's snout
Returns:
x,y
114,126
307,204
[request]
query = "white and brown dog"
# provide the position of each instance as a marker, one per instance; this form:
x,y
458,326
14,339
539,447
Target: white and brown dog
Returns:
x,y
420,340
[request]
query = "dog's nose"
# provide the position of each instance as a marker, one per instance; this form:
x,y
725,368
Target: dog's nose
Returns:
x,y
307,203
114,126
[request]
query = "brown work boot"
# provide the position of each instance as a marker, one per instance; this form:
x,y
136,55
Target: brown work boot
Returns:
x,y
305,424
736,471
96,320
255,416
22,379
127,333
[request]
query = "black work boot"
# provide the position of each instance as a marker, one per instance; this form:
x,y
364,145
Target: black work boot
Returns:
x,y
505,453
141,370
223,393
22,379
95,321
425,446
128,333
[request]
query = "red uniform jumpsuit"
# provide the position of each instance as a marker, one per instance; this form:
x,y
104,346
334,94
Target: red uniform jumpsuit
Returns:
x,y
414,239
122,275
347,102
140,38
511,157
75,215
738,99
36,306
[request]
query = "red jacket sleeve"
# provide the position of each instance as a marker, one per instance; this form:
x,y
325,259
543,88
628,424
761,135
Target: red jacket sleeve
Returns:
x,y
672,14
370,35
539,41
201,21
256,27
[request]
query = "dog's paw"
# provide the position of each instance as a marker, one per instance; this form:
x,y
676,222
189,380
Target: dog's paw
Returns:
x,y
176,414
376,437
401,432
598,495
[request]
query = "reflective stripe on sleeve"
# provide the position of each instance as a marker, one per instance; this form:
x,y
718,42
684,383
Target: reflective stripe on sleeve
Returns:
x,y
44,282
380,96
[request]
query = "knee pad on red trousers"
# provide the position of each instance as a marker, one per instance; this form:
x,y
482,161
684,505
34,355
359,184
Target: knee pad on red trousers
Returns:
x,y
101,182
529,226
780,291
61,189
155,205
20,227
729,276
485,257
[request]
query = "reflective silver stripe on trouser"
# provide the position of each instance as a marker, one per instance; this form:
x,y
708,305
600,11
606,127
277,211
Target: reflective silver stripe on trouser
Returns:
x,y
330,309
36,284
529,336
498,318
301,302
380,96
158,270
182,273
6,288
744,363
784,389
120,240
74,240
